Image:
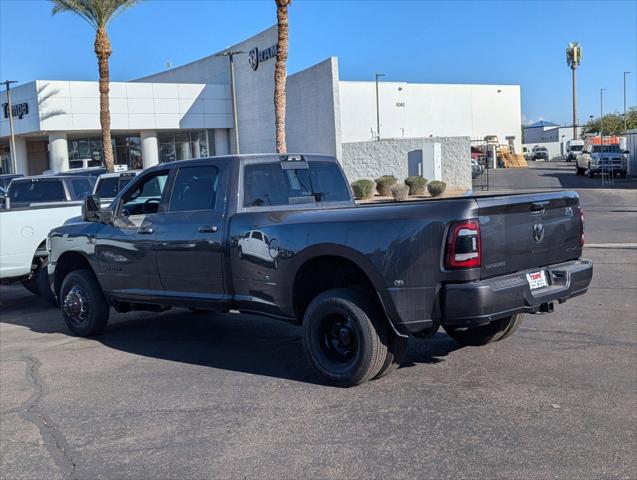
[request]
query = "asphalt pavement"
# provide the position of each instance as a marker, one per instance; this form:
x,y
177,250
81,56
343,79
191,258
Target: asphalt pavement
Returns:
x,y
189,395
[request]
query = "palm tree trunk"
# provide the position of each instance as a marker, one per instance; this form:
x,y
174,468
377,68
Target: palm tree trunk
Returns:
x,y
280,73
103,51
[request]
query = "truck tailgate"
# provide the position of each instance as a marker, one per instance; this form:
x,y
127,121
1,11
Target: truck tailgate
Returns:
x,y
520,232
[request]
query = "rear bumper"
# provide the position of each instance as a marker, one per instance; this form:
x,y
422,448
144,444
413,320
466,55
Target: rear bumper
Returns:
x,y
474,303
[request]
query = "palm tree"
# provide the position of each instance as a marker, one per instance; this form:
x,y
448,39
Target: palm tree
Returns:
x,y
573,59
98,13
280,73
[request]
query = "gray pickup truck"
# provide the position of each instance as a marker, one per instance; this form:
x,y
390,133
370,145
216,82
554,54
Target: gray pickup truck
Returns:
x,y
281,236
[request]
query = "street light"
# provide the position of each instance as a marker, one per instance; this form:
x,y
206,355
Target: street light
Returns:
x,y
378,75
230,54
625,124
601,115
14,163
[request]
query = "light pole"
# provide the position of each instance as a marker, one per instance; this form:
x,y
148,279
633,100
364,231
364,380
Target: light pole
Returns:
x,y
573,60
601,116
230,54
14,163
378,75
625,124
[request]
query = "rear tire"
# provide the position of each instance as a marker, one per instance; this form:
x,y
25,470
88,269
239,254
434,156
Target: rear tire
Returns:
x,y
84,307
485,334
396,353
345,337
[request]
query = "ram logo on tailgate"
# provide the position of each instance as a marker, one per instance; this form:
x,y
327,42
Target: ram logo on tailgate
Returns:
x,y
538,232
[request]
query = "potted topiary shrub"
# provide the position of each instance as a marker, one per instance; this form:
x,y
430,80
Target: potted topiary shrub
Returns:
x,y
363,189
384,183
400,192
416,184
436,188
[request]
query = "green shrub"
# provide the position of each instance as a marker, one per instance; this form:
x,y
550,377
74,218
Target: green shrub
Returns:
x,y
436,188
416,184
363,189
399,192
384,183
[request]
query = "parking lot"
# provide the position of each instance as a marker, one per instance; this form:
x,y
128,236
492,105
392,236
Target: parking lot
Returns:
x,y
198,395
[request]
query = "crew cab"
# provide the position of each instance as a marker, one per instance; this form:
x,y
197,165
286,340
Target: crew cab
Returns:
x,y
281,236
596,159
46,189
32,207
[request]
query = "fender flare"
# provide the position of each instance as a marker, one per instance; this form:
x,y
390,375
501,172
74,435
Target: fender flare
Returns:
x,y
362,262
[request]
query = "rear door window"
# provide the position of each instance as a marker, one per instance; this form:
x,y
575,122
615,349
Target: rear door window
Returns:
x,y
268,184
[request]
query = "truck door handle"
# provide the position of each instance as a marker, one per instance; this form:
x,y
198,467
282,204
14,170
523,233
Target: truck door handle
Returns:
x,y
208,229
537,208
146,229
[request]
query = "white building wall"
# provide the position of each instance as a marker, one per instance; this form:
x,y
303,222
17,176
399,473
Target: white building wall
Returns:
x,y
28,94
423,110
255,89
312,110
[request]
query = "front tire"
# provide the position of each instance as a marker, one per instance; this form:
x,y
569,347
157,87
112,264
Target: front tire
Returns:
x,y
487,333
345,337
84,307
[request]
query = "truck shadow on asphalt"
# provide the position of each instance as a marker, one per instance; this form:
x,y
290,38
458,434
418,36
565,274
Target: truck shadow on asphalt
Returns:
x,y
240,343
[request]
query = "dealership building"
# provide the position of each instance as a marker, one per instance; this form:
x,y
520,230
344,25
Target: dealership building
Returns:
x,y
186,112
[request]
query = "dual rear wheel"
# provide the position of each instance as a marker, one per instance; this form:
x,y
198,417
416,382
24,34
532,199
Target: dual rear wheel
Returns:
x,y
346,338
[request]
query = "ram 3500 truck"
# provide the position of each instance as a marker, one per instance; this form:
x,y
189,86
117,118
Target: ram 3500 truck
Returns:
x,y
281,236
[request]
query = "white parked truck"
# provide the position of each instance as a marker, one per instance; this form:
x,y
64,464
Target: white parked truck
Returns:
x,y
573,148
33,207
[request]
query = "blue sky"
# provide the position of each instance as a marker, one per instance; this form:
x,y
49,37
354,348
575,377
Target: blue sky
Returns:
x,y
516,42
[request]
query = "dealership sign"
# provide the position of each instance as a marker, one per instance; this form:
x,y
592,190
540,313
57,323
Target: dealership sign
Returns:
x,y
256,56
18,110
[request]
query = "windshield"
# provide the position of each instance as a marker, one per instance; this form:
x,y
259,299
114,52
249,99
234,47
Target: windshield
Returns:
x,y
576,148
606,148
37,191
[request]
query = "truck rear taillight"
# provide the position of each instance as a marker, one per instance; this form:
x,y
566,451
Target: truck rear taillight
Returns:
x,y
463,245
581,227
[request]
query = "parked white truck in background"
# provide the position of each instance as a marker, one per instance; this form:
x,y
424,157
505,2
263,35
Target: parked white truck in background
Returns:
x,y
573,148
36,205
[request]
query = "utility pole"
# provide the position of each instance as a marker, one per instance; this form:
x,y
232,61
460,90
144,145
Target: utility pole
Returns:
x,y
378,75
625,118
230,54
14,162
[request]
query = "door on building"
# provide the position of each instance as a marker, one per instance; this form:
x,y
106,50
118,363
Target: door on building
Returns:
x,y
37,156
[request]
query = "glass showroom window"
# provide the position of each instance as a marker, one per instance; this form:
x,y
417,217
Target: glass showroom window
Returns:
x,y
126,150
183,145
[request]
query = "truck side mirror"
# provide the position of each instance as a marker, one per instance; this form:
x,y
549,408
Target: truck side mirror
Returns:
x,y
91,209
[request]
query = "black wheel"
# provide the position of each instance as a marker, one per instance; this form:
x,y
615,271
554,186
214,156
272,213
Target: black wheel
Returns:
x,y
514,324
590,172
396,352
484,334
240,253
83,305
38,283
345,337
